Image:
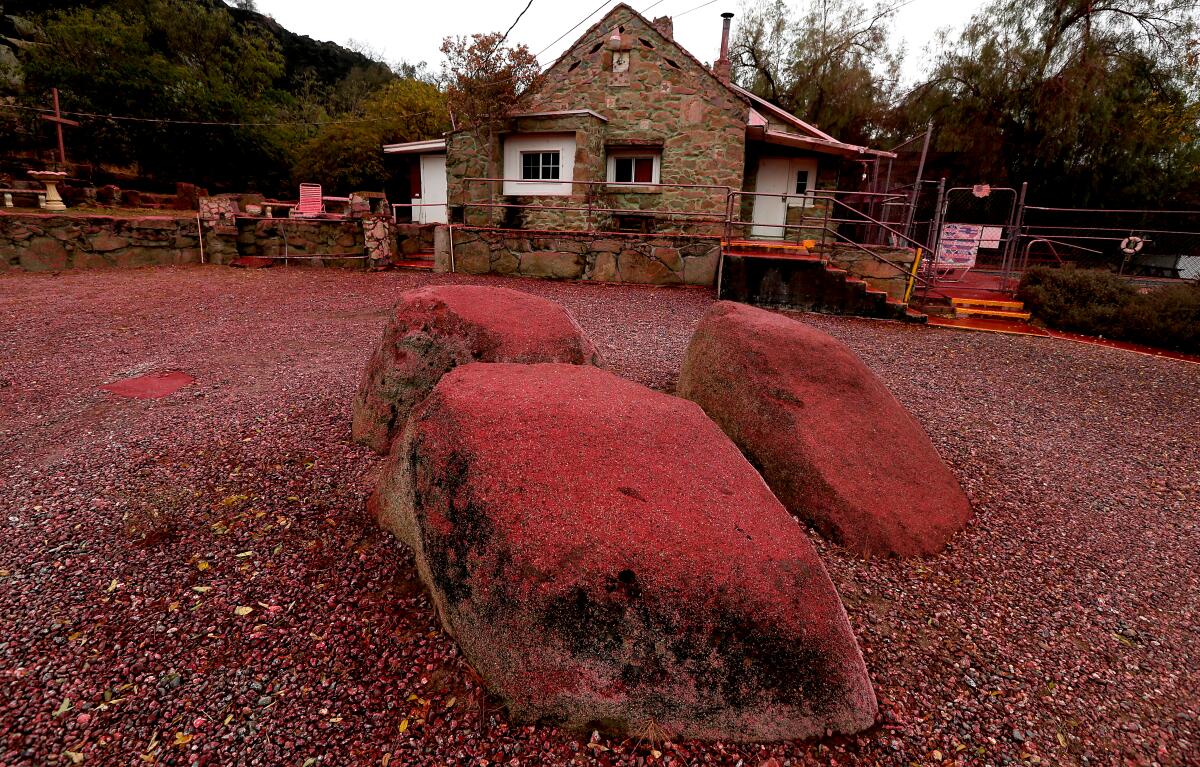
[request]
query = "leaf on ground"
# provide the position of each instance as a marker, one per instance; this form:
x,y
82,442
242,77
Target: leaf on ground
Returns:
x,y
243,610
202,589
403,726
76,757
63,707
202,565
113,586
182,739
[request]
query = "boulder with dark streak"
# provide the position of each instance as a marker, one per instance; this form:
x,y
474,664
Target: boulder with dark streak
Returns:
x,y
606,558
432,330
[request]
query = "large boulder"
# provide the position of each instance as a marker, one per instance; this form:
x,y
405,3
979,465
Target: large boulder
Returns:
x,y
607,559
829,438
435,329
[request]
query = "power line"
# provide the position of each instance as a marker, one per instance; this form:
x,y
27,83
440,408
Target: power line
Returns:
x,y
519,15
572,29
656,3
218,123
698,7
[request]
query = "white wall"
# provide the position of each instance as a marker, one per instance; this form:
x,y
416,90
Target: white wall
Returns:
x,y
517,143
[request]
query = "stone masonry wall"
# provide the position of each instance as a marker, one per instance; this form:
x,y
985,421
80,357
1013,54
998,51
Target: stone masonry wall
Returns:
x,y
664,260
877,274
41,242
666,101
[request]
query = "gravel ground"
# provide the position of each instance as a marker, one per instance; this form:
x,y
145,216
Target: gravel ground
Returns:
x,y
191,580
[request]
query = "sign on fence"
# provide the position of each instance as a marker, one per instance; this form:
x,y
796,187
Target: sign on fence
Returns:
x,y
958,246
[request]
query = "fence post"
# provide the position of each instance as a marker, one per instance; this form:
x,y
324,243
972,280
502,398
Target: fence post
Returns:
x,y
1014,236
935,237
916,193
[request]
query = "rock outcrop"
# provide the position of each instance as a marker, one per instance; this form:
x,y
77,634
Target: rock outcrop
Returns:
x,y
432,330
829,438
606,558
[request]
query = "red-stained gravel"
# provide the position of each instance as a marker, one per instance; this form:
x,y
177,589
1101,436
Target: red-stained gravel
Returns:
x,y
191,580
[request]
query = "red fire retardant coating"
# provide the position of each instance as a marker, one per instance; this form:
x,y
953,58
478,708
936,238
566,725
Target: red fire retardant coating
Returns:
x,y
832,442
607,559
435,329
152,386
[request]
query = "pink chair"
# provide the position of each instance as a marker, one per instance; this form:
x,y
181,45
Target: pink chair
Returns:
x,y
311,202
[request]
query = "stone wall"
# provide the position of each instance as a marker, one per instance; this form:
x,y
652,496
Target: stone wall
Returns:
x,y
666,102
307,242
877,273
655,260
42,242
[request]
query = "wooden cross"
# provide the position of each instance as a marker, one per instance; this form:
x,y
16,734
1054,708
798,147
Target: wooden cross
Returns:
x,y
59,121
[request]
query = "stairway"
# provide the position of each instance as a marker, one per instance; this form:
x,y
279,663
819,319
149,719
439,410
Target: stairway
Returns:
x,y
990,309
789,276
421,262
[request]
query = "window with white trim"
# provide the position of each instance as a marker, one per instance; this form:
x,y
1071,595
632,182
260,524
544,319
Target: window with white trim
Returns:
x,y
802,182
541,166
634,167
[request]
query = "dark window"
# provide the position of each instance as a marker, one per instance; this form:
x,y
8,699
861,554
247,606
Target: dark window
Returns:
x,y
633,170
540,166
801,182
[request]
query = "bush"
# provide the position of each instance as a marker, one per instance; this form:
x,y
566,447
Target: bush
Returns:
x,y
1100,303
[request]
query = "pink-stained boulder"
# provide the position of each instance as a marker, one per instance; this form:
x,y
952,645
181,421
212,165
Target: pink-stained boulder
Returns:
x,y
433,330
606,558
829,438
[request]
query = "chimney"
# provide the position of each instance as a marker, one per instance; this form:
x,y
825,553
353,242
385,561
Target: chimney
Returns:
x,y
724,67
665,27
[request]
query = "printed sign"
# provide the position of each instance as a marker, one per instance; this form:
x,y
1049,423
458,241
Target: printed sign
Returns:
x,y
959,246
991,237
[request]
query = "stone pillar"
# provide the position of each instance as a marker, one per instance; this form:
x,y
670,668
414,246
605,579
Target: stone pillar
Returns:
x,y
379,239
441,248
218,228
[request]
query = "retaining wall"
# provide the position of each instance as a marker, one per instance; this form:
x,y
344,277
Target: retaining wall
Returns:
x,y
605,257
45,242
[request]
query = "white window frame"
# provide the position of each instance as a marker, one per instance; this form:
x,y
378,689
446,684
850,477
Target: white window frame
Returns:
x,y
634,154
541,165
808,199
518,144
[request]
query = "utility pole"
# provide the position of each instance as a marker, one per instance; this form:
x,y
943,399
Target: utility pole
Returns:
x,y
916,193
59,121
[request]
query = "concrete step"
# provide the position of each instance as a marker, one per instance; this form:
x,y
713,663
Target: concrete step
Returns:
x,y
964,311
418,264
986,303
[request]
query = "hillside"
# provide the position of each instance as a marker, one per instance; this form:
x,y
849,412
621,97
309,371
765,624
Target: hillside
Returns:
x,y
201,92
326,62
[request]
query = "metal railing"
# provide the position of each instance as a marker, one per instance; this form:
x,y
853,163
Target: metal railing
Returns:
x,y
592,202
827,225
411,206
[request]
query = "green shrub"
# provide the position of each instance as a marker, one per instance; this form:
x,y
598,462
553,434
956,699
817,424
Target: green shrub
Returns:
x,y
1100,303
1167,317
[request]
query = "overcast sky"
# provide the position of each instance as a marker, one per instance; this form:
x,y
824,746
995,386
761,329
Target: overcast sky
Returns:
x,y
413,31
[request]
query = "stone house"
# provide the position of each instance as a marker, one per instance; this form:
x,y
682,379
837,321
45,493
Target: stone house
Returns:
x,y
629,135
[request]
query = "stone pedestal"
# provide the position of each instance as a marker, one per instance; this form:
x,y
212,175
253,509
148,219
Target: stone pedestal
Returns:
x,y
51,179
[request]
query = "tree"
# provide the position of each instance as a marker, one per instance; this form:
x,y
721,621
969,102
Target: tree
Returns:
x,y
1093,101
829,63
347,155
484,77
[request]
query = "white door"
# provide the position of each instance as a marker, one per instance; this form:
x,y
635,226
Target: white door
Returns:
x,y
433,190
770,213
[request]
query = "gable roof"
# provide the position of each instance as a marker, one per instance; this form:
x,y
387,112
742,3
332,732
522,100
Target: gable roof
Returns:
x,y
802,134
607,19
